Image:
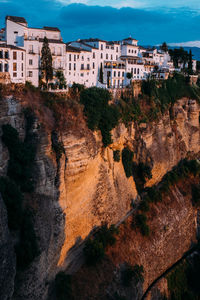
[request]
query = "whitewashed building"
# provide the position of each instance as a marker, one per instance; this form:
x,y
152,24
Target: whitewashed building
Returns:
x,y
31,40
82,61
12,61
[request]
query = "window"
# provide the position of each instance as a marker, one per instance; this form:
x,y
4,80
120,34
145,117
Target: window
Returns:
x,y
123,74
82,74
30,62
134,70
93,65
111,57
82,66
119,74
22,67
114,73
101,46
31,49
101,55
138,71
6,67
70,67
88,66
14,55
1,54
74,57
22,56
93,54
14,66
14,74
70,57
74,67
106,56
1,67
116,57
117,49
82,57
30,74
6,54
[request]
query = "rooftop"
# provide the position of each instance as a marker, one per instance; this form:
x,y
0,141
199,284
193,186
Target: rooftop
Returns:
x,y
16,19
72,49
51,28
130,39
11,47
52,41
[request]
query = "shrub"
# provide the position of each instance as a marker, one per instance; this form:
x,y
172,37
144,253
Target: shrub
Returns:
x,y
144,206
127,160
63,286
100,115
94,249
57,145
141,173
116,155
140,222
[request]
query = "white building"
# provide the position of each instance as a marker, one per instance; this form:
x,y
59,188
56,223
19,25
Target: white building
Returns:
x,y
81,61
12,61
31,40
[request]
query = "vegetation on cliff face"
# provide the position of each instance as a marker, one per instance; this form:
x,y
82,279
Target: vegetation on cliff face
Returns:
x,y
95,247
100,115
20,180
184,280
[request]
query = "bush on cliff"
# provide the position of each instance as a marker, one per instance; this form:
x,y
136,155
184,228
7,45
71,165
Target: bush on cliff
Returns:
x,y
116,155
140,221
100,115
94,249
127,160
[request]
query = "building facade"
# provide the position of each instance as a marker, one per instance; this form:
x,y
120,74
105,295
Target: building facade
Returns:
x,y
91,62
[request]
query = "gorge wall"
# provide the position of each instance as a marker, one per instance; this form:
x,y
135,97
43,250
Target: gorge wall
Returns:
x,y
86,187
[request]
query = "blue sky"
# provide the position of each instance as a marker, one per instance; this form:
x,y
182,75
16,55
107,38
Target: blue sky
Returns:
x,y
150,21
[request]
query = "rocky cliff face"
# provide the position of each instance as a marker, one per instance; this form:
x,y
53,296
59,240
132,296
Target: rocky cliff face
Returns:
x,y
87,187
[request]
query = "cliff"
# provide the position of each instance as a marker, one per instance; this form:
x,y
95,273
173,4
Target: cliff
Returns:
x,y
75,193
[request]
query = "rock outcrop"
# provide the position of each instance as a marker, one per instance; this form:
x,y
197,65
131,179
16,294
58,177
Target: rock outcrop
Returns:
x,y
87,187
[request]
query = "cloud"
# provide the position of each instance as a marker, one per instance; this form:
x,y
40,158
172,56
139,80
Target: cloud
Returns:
x,y
186,44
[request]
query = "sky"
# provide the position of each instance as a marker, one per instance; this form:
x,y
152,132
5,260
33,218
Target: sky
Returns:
x,y
149,21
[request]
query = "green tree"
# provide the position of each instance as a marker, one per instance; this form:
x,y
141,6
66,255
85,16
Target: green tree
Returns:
x,y
190,71
129,75
101,73
46,61
61,79
164,47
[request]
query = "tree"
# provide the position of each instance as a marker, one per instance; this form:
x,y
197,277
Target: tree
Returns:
x,y
164,47
46,61
190,70
129,75
101,73
61,78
